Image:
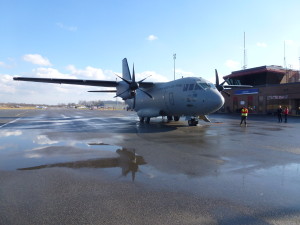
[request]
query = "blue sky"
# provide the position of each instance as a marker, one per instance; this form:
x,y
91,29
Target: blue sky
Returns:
x,y
88,40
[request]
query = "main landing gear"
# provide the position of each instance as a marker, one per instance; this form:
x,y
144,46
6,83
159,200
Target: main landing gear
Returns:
x,y
145,119
176,118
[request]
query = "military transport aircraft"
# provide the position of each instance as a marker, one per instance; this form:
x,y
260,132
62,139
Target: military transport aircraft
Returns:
x,y
192,97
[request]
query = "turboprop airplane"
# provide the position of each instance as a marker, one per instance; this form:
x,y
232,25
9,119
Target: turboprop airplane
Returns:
x,y
192,97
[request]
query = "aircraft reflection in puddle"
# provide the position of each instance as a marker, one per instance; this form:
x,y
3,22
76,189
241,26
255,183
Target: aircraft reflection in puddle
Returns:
x,y
127,160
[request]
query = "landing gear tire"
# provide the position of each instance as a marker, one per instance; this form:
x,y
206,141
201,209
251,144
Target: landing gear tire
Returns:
x,y
176,118
170,118
142,119
192,122
147,120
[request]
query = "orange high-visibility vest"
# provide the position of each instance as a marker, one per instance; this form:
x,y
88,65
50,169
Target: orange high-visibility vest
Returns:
x,y
244,112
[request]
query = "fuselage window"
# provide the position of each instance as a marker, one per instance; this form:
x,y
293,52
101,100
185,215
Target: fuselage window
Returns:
x,y
197,87
185,87
191,87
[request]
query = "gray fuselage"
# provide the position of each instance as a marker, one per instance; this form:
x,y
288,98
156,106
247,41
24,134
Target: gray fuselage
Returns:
x,y
190,96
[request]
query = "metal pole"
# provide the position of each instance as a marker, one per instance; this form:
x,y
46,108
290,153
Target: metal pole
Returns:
x,y
299,65
174,57
284,59
284,62
116,97
245,66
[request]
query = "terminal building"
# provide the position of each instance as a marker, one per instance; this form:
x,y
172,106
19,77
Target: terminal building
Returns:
x,y
272,86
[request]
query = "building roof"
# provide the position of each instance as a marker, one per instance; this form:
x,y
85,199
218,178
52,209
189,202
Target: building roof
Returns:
x,y
256,70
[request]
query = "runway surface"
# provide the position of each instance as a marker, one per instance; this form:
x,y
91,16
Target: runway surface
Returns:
x,y
60,166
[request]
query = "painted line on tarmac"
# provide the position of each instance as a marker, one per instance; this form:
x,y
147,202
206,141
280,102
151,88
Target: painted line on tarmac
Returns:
x,y
19,115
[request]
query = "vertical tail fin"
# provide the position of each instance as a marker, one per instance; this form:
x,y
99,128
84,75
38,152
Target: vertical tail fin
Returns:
x,y
125,70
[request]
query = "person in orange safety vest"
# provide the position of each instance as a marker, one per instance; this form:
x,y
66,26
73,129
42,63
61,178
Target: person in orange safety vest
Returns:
x,y
244,114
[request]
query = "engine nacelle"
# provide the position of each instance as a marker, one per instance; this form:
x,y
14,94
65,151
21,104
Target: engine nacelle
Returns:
x,y
124,92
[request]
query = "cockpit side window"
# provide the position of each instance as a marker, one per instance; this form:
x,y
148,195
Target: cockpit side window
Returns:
x,y
191,87
185,87
197,87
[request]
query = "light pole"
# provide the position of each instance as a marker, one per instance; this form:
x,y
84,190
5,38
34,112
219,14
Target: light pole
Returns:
x,y
174,57
116,97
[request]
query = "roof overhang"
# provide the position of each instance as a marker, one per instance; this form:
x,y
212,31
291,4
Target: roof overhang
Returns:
x,y
256,70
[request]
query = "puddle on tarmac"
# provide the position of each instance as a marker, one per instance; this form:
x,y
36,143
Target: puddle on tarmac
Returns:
x,y
29,151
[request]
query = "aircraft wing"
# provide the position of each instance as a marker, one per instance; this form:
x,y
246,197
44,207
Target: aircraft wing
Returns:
x,y
100,83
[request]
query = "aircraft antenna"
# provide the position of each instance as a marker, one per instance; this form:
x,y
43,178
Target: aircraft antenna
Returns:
x,y
174,58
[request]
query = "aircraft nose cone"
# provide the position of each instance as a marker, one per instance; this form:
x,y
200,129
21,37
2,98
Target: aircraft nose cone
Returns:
x,y
220,100
217,101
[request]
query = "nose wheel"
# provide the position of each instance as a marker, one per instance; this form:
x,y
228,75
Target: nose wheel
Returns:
x,y
192,122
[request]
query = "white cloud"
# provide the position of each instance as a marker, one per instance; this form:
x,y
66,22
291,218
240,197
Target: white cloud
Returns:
x,y
4,133
182,73
91,73
152,37
155,77
261,44
68,28
6,84
43,140
36,59
50,73
232,64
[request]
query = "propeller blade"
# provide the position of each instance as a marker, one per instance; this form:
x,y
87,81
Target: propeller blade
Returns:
x,y
133,75
226,93
150,96
121,93
128,82
144,79
217,78
133,107
223,83
218,85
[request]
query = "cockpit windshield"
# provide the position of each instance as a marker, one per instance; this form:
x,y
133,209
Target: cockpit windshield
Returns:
x,y
200,85
205,85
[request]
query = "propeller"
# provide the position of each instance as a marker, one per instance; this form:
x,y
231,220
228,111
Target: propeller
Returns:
x,y
219,86
133,86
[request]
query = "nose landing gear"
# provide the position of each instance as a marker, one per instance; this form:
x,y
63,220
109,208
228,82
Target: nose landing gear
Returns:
x,y
193,122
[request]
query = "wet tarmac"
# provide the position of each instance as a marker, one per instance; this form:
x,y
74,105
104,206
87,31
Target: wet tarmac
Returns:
x,y
60,166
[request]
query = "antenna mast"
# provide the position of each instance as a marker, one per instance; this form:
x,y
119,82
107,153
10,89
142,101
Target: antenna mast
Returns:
x,y
284,60
299,66
245,66
174,57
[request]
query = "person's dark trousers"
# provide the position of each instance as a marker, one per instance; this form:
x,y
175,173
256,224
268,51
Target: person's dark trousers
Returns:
x,y
244,119
279,118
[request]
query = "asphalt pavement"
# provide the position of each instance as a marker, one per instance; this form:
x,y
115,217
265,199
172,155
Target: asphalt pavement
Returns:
x,y
68,166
